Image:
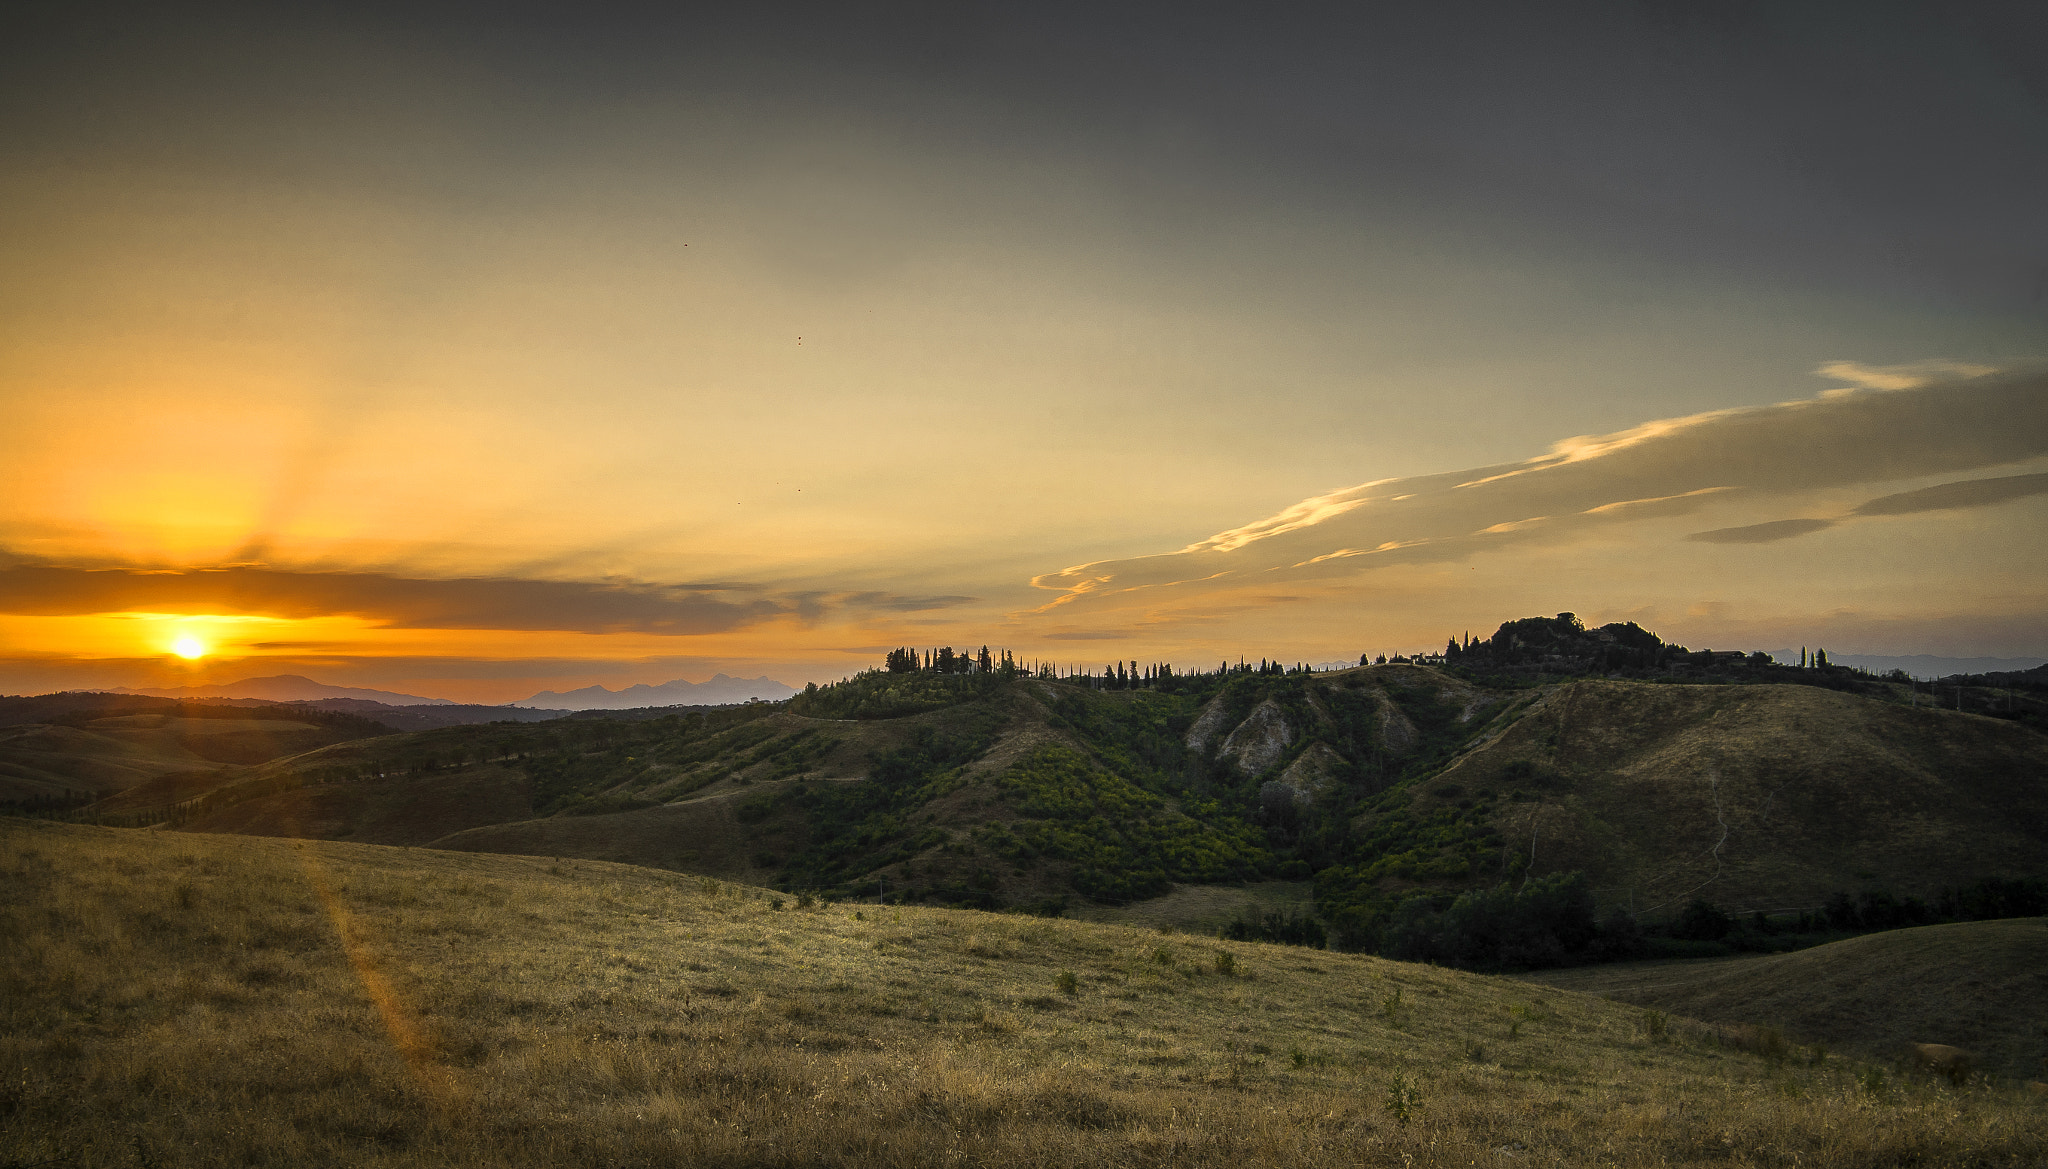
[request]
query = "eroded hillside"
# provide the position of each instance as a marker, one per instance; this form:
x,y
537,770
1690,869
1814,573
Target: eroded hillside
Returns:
x,y
1380,785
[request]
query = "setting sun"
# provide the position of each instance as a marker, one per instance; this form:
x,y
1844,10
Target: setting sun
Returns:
x,y
188,648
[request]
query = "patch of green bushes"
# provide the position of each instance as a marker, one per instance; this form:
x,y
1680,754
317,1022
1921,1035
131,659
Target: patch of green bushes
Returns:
x,y
1287,928
1546,922
1125,842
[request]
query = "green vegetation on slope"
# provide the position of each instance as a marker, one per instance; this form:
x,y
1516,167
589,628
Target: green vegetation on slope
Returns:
x,y
1126,844
1423,808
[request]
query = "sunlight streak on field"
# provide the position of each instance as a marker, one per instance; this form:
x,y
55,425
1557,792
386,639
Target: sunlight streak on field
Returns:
x,y
437,1085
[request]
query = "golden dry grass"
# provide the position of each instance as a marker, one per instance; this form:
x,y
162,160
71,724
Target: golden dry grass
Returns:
x,y
175,999
1979,985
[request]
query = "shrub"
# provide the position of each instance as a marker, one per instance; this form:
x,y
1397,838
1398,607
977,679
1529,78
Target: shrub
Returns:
x,y
1293,929
1701,922
1226,962
1402,1098
1621,938
1657,1024
1067,983
1542,924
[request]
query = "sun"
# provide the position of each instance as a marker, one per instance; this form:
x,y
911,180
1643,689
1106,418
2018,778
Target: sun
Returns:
x,y
189,648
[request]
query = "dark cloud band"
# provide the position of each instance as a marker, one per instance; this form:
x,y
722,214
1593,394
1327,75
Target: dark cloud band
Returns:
x,y
1765,533
1968,493
395,601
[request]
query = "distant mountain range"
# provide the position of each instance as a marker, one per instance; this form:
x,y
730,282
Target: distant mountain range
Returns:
x,y
721,690
284,688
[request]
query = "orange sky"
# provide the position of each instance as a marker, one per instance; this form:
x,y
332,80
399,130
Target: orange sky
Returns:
x,y
468,367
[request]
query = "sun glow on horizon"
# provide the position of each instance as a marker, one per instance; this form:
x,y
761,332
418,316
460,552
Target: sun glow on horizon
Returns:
x,y
189,648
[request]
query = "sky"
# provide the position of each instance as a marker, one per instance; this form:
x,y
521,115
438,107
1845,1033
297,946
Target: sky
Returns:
x,y
474,351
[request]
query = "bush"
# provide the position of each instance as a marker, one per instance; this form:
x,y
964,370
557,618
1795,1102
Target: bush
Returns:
x,y
1702,922
1292,929
1621,938
1545,923
1403,1098
1994,898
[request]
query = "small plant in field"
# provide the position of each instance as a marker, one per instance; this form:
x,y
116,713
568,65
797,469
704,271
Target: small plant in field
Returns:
x,y
1514,1028
708,887
1163,955
1067,983
1657,1024
1872,1081
1299,1057
775,903
1816,1055
1770,1043
859,916
806,901
1402,1098
1226,962
1475,1051
1390,1004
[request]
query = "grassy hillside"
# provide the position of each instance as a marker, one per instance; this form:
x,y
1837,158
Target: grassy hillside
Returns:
x,y
176,999
99,756
1379,785
1981,986
1757,797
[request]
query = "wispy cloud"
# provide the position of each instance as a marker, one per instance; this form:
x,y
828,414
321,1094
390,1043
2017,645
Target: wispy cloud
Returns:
x,y
1910,376
1769,532
1898,424
1967,493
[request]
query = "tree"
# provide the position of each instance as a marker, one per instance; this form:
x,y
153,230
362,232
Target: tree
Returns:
x,y
1702,922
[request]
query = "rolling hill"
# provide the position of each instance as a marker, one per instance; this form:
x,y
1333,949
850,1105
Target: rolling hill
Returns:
x,y
140,752
1380,785
718,690
178,999
1981,986
287,688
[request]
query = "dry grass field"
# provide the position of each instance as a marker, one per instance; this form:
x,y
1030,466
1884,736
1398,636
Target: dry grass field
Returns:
x,y
1980,985
180,999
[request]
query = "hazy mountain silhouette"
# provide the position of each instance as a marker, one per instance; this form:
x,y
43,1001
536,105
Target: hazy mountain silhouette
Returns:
x,y
719,691
284,688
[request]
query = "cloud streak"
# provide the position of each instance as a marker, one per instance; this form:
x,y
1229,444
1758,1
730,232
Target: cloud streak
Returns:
x,y
401,602
1769,532
1968,493
1908,427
